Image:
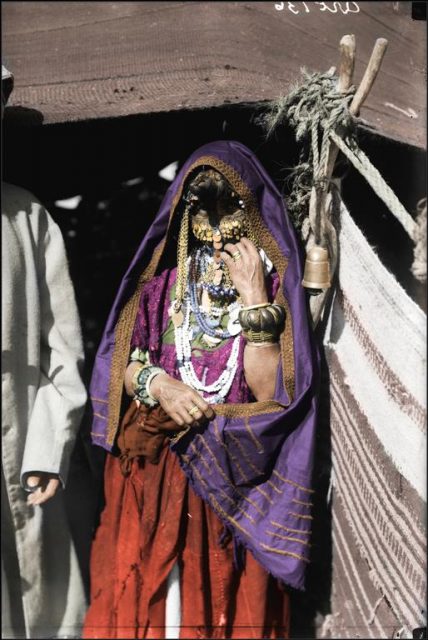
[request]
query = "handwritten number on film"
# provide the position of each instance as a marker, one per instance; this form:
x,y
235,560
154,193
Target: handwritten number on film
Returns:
x,y
332,7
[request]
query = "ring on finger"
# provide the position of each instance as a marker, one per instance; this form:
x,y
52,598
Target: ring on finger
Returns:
x,y
236,256
193,410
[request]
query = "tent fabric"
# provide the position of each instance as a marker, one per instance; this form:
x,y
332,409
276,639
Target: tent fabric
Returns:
x,y
376,351
85,60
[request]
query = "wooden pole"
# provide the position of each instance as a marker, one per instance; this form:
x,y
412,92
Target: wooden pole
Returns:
x,y
346,70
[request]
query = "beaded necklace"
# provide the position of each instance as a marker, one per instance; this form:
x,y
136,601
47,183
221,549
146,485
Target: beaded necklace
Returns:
x,y
209,324
183,345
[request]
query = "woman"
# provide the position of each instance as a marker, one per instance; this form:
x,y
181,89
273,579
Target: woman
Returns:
x,y
207,515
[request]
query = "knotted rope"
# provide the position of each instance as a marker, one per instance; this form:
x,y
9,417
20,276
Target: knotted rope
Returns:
x,y
313,109
319,114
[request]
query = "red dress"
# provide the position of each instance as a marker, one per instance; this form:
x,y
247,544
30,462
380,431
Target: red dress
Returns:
x,y
151,519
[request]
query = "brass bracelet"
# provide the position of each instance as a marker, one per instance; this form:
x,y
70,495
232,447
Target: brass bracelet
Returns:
x,y
258,337
268,319
256,306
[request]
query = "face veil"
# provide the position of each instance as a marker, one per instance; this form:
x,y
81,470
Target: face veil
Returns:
x,y
253,463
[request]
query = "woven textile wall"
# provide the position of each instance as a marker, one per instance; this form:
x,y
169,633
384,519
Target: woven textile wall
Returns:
x,y
375,346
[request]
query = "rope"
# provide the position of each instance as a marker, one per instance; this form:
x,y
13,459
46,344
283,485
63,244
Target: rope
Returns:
x,y
312,109
316,110
361,162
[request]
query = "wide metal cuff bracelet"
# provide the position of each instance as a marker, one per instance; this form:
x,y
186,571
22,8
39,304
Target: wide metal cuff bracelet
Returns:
x,y
266,321
256,337
141,391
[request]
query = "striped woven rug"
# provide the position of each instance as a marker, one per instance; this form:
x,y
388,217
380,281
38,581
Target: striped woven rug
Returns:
x,y
375,345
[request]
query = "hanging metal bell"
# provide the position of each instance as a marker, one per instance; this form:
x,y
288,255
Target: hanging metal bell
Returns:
x,y
317,269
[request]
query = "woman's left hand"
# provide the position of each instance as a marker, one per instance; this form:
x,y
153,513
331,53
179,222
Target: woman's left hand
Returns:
x,y
246,271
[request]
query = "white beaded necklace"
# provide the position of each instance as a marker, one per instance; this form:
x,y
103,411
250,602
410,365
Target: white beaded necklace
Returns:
x,y
183,337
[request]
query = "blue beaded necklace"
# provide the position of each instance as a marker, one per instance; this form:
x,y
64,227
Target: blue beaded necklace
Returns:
x,y
208,325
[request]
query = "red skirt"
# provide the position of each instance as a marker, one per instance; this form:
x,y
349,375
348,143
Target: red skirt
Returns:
x,y
151,520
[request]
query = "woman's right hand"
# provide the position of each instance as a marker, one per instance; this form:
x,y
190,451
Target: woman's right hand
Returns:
x,y
177,399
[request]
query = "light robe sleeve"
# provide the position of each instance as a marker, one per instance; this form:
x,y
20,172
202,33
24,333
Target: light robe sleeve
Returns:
x,y
61,394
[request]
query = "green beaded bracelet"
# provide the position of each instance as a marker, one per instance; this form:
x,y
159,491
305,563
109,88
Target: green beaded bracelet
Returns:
x,y
143,379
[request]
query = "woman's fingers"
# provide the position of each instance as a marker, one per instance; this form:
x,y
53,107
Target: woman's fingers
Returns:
x,y
245,247
203,406
249,247
195,414
182,403
193,409
236,251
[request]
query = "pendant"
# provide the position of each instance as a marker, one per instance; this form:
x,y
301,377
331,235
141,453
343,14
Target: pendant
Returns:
x,y
234,326
177,318
210,341
205,301
218,277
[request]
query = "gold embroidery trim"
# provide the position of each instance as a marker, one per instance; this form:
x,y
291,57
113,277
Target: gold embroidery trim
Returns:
x,y
99,400
298,515
283,553
295,484
195,471
236,505
305,504
123,334
200,456
274,487
125,323
248,409
217,432
224,476
223,513
289,529
278,535
228,453
235,460
244,453
244,475
249,462
257,443
263,493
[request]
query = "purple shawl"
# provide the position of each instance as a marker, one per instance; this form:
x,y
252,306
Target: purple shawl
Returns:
x,y
253,463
